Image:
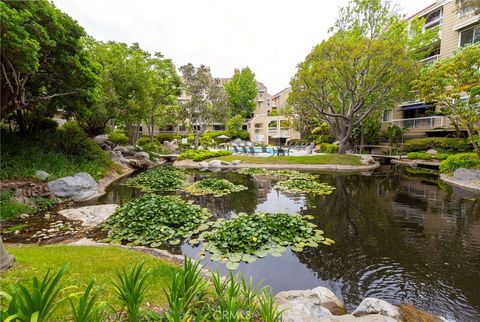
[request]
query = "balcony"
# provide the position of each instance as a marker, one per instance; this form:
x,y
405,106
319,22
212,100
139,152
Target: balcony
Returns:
x,y
274,132
429,122
430,60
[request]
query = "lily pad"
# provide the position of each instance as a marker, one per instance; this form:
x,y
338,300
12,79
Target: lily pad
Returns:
x,y
232,265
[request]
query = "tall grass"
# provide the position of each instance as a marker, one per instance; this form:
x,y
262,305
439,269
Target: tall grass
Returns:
x,y
87,309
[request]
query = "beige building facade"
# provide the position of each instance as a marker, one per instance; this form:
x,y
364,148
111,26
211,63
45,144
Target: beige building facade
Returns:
x,y
457,27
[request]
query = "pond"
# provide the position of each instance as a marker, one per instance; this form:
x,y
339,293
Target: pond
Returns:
x,y
398,238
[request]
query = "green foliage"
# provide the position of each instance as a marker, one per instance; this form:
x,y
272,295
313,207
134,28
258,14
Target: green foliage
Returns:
x,y
161,179
441,156
461,160
256,171
10,208
327,148
162,137
145,140
44,62
449,145
394,134
246,237
72,140
337,159
131,288
45,152
290,174
37,304
199,155
216,187
230,298
242,92
153,219
87,308
305,186
118,137
419,155
234,126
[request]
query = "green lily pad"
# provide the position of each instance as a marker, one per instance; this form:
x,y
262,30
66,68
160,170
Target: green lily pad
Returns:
x,y
235,257
261,253
247,258
232,265
174,242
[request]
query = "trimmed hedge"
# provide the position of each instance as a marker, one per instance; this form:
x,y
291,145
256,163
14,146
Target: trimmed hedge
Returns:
x,y
461,160
327,148
419,155
118,137
450,145
199,155
162,137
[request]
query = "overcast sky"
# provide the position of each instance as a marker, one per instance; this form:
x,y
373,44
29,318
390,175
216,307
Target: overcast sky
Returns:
x,y
269,36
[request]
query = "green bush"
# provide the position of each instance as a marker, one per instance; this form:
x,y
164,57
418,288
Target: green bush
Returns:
x,y
155,148
10,208
118,137
460,160
144,140
243,134
449,145
162,137
327,148
419,156
199,155
441,156
47,124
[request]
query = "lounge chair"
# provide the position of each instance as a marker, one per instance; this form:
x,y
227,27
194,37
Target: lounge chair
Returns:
x,y
244,150
252,150
264,149
235,150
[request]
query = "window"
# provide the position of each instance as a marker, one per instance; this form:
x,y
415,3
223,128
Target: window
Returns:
x,y
433,19
470,36
387,115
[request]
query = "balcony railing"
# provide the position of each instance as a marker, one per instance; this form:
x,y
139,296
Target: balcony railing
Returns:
x,y
428,122
273,131
430,60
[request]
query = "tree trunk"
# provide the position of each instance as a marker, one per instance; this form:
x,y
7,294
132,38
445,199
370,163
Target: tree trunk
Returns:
x,y
196,140
21,122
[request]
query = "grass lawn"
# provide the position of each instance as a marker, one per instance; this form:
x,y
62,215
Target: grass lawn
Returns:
x,y
86,263
339,159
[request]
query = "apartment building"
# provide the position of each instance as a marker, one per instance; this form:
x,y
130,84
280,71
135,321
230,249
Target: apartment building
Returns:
x,y
458,27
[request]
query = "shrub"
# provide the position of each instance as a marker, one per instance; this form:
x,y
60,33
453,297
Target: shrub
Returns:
x,y
162,137
155,148
460,160
441,156
243,134
419,156
450,145
327,148
144,140
10,208
47,124
199,155
118,137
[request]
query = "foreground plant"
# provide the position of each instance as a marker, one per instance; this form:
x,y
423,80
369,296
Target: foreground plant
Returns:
x,y
162,179
246,237
37,304
216,187
153,219
306,186
87,309
230,298
131,288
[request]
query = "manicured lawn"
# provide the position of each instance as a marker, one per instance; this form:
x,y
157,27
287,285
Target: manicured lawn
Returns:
x,y
86,263
340,159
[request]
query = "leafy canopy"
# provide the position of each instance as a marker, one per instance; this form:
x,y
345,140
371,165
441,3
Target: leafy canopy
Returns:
x,y
241,93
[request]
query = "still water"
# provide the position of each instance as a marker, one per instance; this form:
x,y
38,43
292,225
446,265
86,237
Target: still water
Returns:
x,y
398,238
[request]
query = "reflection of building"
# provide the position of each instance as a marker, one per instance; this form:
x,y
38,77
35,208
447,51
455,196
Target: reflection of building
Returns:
x,y
457,27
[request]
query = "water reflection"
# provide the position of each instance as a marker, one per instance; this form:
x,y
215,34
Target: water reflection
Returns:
x,y
397,238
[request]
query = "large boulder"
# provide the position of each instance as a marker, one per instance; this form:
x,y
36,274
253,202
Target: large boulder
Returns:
x,y
432,152
367,159
102,140
139,163
236,162
203,164
6,260
309,305
143,155
463,174
79,187
42,175
371,305
217,163
121,149
90,215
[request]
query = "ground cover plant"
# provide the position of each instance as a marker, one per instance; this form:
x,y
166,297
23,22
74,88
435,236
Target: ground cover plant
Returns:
x,y
426,156
11,208
248,236
291,174
200,155
213,186
30,261
153,219
305,186
335,159
162,179
460,160
448,145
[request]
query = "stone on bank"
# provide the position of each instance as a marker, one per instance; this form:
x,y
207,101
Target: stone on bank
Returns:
x,y
79,187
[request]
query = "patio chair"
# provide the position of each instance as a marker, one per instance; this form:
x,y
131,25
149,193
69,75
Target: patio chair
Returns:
x,y
235,150
252,150
244,150
264,149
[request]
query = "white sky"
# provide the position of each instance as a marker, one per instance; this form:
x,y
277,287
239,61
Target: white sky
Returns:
x,y
269,36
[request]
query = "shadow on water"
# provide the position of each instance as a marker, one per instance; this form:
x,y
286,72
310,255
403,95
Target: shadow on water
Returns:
x,y
397,238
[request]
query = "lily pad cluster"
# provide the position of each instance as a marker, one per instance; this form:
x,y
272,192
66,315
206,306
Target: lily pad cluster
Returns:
x,y
305,186
290,174
162,179
216,187
153,219
250,236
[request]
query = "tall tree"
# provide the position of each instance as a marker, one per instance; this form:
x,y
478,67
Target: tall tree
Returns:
x,y
44,66
454,84
367,64
205,99
165,86
242,92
